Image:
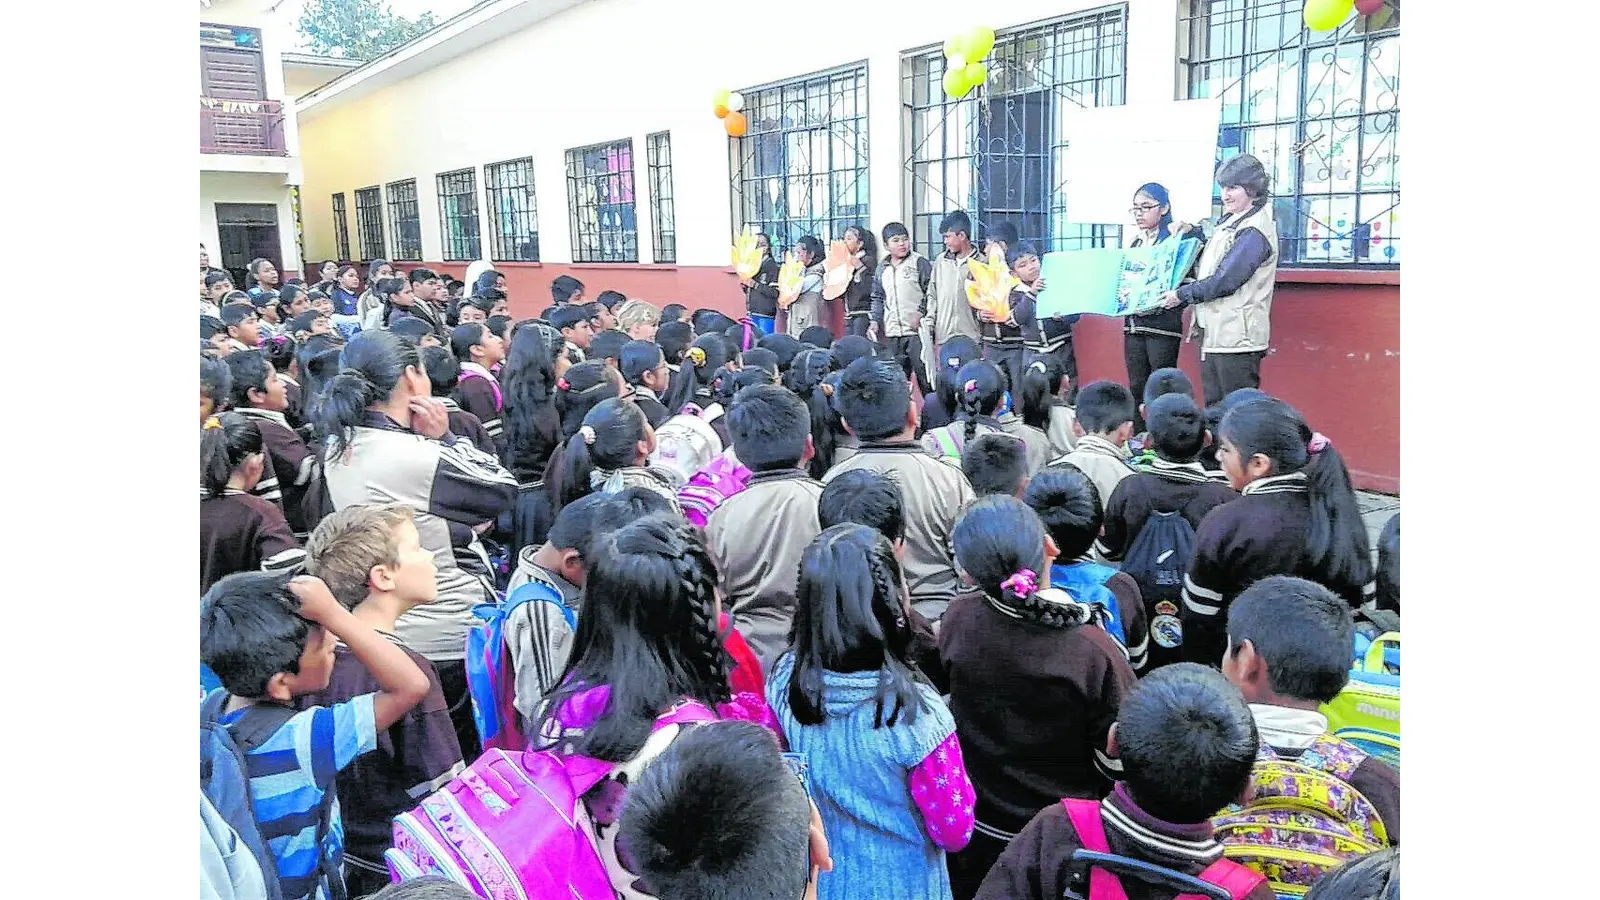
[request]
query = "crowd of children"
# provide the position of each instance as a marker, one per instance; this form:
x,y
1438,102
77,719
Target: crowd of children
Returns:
x,y
783,615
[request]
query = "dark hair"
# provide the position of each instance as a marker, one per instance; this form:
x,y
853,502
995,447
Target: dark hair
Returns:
x,y
1186,741
464,337
253,270
1177,427
232,314
638,359
239,297
670,313
1041,388
760,358
808,379
250,371
216,277
995,538
609,299
216,380
1375,876
223,449
729,382
563,287
953,355
286,298
420,274
995,463
1301,629
709,321
769,425
1069,505
412,329
607,345
1167,381
718,816
1158,193
528,380
374,266
1245,171
588,384
250,630
444,372
866,498
619,425
692,383
812,245
431,887
210,327
1004,231
347,267
673,338
981,388
648,632
849,617
957,221
574,526
484,283
874,399
1389,565
385,290
869,247
305,320
817,336
497,325
848,349
1016,253
371,367
570,316
1104,406
785,347
280,350
1336,542
894,230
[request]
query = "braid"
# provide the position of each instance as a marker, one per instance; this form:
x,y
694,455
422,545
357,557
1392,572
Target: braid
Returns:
x,y
1035,609
694,568
885,585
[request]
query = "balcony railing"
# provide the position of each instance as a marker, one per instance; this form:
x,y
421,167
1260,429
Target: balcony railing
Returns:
x,y
242,127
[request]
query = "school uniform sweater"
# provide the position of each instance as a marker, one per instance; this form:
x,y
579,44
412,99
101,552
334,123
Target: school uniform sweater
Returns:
x,y
1184,488
1241,542
295,415
478,392
756,538
466,425
1062,440
1105,463
898,293
1290,731
242,533
933,494
1036,441
946,300
655,412
1045,335
1033,705
1035,866
294,466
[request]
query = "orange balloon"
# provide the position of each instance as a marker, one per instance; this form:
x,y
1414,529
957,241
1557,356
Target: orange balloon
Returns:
x,y
721,110
736,124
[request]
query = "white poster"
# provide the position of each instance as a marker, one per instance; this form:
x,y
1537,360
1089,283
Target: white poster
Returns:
x,y
1112,150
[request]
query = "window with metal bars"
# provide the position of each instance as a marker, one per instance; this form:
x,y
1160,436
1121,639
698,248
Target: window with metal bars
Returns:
x,y
458,214
404,222
658,152
801,167
1322,113
600,203
998,152
341,227
513,215
369,223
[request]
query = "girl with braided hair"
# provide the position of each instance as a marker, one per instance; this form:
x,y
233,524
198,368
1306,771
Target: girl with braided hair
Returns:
x,y
647,644
886,765
1035,684
980,391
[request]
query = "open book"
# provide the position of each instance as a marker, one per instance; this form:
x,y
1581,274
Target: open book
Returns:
x,y
1111,282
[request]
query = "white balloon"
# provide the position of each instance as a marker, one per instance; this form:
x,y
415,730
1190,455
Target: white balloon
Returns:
x,y
735,101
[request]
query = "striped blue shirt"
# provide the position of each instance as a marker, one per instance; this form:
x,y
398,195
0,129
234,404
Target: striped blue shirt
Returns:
x,y
289,775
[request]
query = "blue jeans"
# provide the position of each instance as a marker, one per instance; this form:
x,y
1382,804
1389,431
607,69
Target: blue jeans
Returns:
x,y
764,323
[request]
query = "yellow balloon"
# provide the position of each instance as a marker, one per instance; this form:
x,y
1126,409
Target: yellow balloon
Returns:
x,y
1327,15
955,84
956,45
720,98
981,40
976,74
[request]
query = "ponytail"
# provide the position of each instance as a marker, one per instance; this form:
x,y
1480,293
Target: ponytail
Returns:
x,y
608,440
999,545
583,387
824,426
981,388
953,356
371,367
577,468
225,442
1041,380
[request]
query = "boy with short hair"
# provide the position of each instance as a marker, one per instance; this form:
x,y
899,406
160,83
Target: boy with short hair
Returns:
x,y
607,345
1186,742
1104,424
478,350
270,640
874,402
566,289
241,321
945,312
672,312
996,464
373,562
1003,340
1160,383
756,536
898,292
573,323
308,324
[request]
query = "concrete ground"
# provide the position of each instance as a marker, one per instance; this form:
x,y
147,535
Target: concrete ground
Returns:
x,y
1376,510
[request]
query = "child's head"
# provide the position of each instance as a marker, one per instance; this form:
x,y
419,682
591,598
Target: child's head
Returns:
x,y
760,358
292,301
242,324
565,550
500,326
672,312
809,250
1024,261
866,498
1068,503
896,240
308,324
431,887
214,334
231,454
614,435
639,320
255,383
953,355
981,386
1003,550
1177,427
583,387
1041,386
1266,437
1186,741
477,344
415,331
607,345
1374,876
817,336
709,321
1289,643
850,617
996,463
956,229
674,338
1105,409
218,285
253,638
644,365
718,816
770,428
364,552
874,400
566,289
1166,381
216,384
1389,565
1003,234
280,350
469,312
376,367
573,323
847,350
701,362
444,372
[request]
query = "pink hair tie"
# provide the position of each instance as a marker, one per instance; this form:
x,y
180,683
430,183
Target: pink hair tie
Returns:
x,y
1025,583
1318,443
970,386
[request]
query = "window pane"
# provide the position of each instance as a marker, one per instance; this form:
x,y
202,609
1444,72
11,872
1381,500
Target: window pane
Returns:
x,y
600,203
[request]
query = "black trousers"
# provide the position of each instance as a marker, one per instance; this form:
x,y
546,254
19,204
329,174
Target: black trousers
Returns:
x,y
1145,353
453,682
857,325
907,351
1068,360
1223,373
1009,358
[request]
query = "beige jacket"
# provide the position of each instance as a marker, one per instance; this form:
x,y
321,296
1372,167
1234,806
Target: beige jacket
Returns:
x,y
948,309
1241,321
1105,463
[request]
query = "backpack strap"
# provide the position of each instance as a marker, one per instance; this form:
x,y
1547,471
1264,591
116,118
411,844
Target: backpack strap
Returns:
x,y
1237,880
257,723
1085,818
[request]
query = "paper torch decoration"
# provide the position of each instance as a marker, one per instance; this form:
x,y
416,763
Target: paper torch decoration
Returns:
x,y
989,291
790,274
746,253
836,271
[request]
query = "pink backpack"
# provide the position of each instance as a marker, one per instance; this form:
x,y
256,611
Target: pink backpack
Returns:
x,y
1231,877
507,828
711,487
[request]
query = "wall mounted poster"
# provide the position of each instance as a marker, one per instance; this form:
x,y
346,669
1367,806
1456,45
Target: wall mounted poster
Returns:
x,y
1109,282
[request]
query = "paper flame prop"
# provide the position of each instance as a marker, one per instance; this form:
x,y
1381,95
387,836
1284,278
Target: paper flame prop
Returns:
x,y
790,274
746,254
836,271
989,291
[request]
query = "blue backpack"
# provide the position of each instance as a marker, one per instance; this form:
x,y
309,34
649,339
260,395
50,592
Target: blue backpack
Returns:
x,y
1086,582
491,675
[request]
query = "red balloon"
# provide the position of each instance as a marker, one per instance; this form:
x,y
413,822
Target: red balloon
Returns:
x,y
1368,7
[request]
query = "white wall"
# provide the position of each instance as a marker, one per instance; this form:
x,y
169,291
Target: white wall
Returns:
x,y
613,69
232,187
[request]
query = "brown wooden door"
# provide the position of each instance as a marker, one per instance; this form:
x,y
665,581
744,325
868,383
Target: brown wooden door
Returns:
x,y
228,74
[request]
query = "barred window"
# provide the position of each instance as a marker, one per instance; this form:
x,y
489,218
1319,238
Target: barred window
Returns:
x,y
513,215
341,227
403,220
1322,113
658,149
458,214
1000,157
801,167
369,222
600,203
